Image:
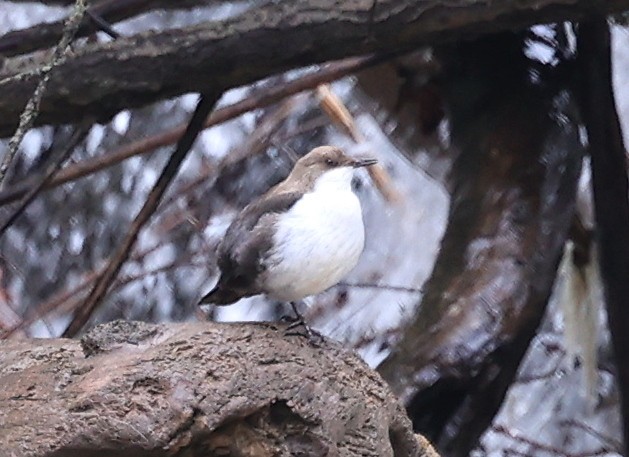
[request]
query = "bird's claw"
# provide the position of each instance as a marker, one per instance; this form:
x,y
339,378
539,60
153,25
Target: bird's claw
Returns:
x,y
299,328
295,323
286,319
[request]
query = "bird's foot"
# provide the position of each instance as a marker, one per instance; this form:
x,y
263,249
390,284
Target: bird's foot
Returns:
x,y
286,319
298,327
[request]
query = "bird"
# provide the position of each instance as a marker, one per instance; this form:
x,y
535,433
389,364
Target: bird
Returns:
x,y
298,239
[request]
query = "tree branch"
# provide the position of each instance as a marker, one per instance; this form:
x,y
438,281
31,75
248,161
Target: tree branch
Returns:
x,y
259,98
610,188
102,79
31,108
61,156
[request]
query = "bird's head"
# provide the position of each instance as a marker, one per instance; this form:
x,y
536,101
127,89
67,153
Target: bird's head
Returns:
x,y
327,166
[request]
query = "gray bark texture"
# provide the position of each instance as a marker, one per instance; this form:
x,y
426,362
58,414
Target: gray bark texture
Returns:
x,y
193,389
99,80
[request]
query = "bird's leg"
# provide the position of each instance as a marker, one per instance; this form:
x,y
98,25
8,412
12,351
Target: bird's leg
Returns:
x,y
298,316
314,337
296,319
292,319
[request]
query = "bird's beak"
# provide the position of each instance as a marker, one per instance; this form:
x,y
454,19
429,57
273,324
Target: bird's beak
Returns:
x,y
363,162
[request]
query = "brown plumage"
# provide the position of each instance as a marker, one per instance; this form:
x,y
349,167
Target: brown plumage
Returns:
x,y
243,252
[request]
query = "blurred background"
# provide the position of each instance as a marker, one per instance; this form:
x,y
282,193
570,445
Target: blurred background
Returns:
x,y
564,400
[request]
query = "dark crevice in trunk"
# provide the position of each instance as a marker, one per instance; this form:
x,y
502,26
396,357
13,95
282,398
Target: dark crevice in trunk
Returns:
x,y
514,185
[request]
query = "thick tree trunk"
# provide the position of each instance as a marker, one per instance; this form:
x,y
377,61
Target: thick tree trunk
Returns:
x,y
514,187
101,79
610,188
134,389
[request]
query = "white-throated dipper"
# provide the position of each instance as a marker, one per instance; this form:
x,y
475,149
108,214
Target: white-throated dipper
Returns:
x,y
298,239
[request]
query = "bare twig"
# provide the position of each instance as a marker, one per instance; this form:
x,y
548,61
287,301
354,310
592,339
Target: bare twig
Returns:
x,y
63,298
102,24
382,335
542,447
608,441
126,280
256,100
255,143
204,106
336,110
364,285
68,300
78,135
32,106
334,107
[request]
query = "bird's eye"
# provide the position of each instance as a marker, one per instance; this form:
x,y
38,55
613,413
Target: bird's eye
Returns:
x,y
330,162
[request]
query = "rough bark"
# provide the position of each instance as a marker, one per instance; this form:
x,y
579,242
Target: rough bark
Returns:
x,y
102,79
514,186
610,189
134,389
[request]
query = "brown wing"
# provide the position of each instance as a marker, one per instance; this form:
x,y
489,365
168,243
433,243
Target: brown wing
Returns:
x,y
247,240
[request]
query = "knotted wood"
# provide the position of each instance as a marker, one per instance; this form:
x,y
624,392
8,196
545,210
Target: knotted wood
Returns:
x,y
135,389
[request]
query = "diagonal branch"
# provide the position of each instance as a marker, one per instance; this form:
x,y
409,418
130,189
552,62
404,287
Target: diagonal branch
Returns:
x,y
78,135
31,109
258,99
204,106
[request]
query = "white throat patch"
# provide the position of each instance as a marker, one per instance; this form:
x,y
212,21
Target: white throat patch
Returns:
x,y
339,179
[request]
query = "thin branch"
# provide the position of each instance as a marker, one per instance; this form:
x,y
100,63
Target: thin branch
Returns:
x,y
364,285
608,441
204,106
64,153
67,300
32,106
70,300
332,105
256,143
258,99
62,298
126,280
542,447
102,24
381,335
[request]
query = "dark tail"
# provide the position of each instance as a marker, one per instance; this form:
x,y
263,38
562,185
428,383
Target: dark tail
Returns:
x,y
220,296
